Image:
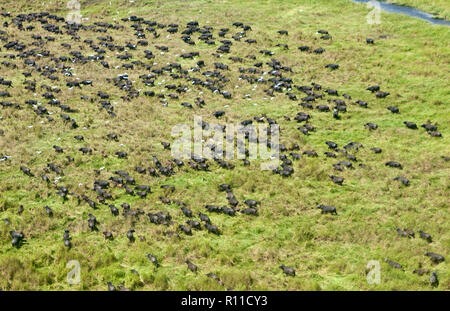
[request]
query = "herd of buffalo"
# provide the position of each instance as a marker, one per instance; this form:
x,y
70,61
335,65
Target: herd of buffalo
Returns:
x,y
44,75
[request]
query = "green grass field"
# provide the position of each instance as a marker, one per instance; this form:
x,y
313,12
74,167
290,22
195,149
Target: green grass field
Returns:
x,y
410,59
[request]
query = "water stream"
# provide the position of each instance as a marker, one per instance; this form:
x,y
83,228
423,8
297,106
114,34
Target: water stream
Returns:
x,y
406,10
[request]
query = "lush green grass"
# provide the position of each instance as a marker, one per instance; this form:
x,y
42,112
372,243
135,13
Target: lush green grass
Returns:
x,y
328,252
